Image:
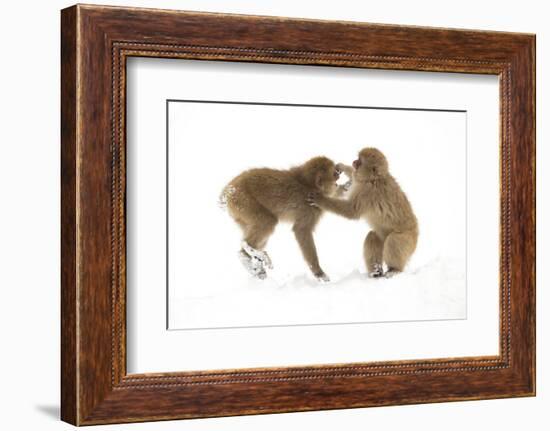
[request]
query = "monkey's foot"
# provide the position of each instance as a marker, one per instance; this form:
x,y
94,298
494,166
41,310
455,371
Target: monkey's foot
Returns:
x,y
260,255
377,271
252,265
322,278
261,274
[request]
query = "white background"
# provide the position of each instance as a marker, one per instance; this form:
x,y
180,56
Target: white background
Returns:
x,y
427,155
29,228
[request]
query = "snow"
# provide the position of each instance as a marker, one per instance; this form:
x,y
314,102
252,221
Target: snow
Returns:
x,y
225,295
433,291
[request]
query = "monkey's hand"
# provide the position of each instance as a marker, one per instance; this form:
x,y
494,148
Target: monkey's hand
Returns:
x,y
313,199
347,185
342,167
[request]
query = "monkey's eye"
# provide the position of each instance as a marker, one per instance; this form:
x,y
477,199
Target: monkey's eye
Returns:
x,y
336,174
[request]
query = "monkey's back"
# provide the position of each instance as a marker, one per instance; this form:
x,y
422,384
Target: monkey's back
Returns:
x,y
277,191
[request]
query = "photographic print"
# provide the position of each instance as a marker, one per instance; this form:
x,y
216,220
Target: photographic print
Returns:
x,y
297,214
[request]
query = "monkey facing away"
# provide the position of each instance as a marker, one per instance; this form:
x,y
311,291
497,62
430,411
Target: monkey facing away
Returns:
x,y
376,196
258,199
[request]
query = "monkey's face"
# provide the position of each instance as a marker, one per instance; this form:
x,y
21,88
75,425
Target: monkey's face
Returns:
x,y
327,178
371,163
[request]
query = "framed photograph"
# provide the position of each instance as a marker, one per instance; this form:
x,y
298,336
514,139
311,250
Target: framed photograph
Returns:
x,y
265,214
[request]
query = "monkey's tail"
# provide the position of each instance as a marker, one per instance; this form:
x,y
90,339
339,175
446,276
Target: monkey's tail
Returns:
x,y
225,196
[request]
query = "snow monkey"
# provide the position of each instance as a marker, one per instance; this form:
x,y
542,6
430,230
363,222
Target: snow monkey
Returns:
x,y
258,199
376,196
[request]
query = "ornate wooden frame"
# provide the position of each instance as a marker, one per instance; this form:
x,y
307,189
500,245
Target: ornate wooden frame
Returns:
x,y
95,43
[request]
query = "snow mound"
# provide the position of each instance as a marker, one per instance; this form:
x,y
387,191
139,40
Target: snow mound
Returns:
x,y
433,291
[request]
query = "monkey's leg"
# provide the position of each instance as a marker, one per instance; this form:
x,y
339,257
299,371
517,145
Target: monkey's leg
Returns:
x,y
261,255
257,232
257,225
252,265
398,248
304,237
372,251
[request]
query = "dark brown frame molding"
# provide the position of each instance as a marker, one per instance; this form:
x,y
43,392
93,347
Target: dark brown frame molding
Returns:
x,y
95,43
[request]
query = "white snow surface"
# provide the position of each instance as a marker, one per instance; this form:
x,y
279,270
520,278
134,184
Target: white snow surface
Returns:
x,y
433,291
224,295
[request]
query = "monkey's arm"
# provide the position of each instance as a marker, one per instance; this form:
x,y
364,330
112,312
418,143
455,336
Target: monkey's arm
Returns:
x,y
344,208
342,189
348,170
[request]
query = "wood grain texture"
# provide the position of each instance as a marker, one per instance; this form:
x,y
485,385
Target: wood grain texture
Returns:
x,y
96,41
69,365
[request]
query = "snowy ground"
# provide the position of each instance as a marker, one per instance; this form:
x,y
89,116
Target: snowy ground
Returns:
x,y
433,291
218,292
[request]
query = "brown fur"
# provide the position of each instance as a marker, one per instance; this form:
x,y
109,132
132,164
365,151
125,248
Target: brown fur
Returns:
x,y
258,199
376,196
